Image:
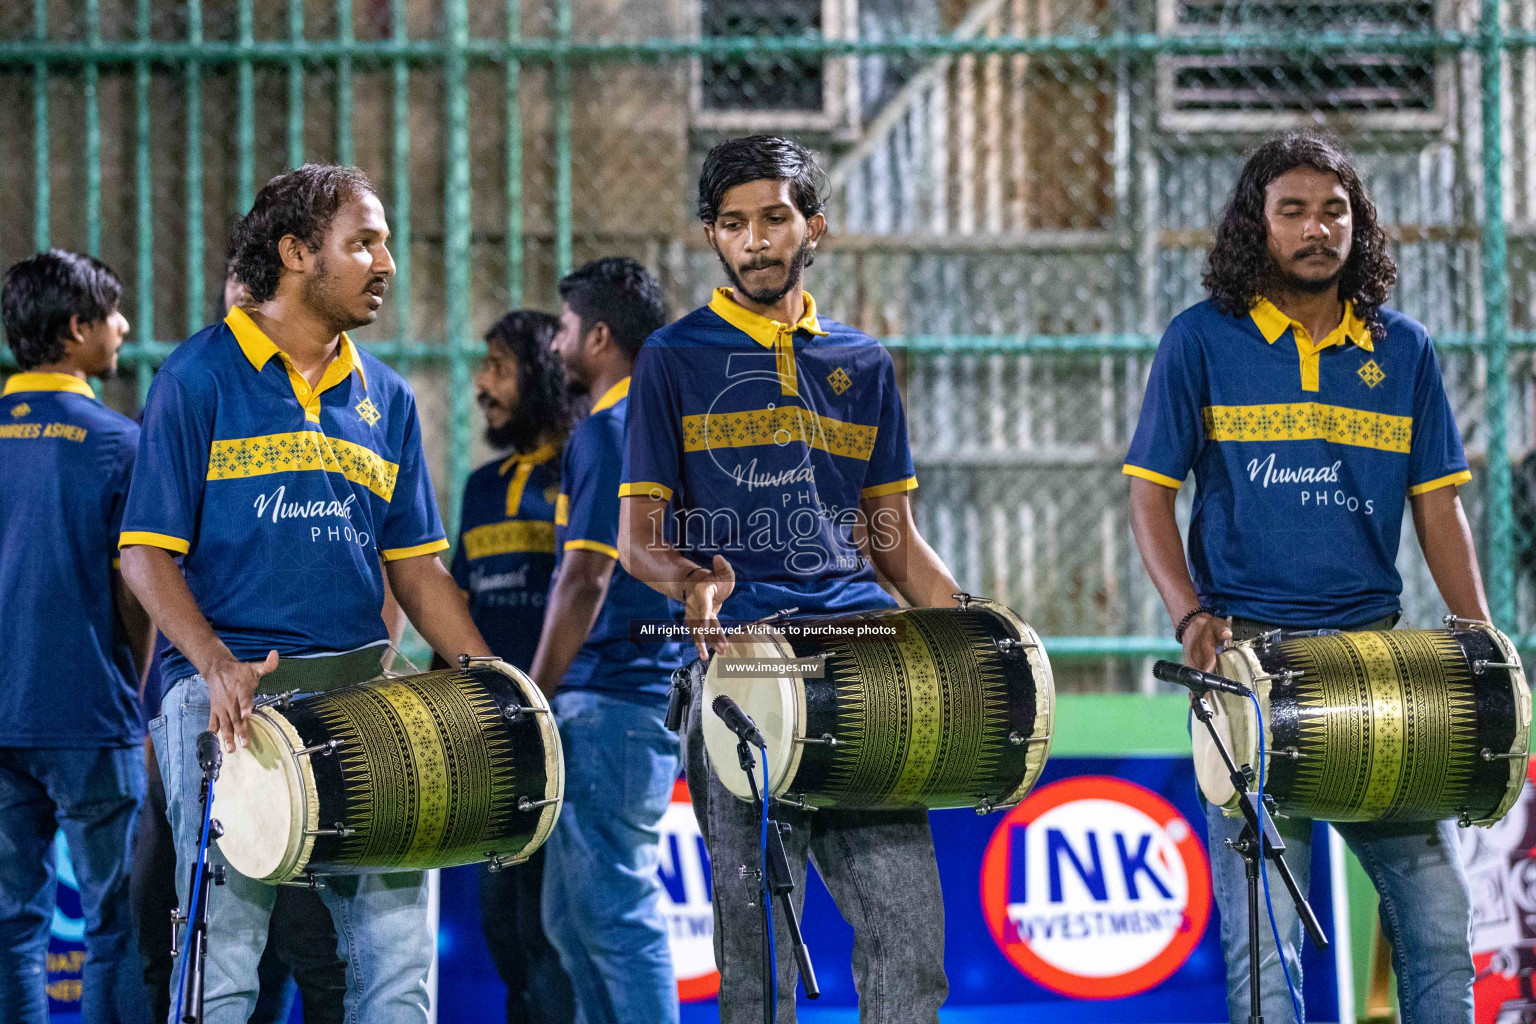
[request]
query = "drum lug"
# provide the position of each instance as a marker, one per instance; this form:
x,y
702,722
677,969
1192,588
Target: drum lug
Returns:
x,y
1267,637
1018,739
1482,665
340,830
525,805
1008,645
281,700
963,599
1464,818
797,802
328,747
309,881
466,660
826,739
1289,752
515,711
1452,621
1488,755
495,863
986,806
1285,675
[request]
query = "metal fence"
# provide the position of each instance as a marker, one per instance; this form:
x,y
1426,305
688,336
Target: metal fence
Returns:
x,y
1022,194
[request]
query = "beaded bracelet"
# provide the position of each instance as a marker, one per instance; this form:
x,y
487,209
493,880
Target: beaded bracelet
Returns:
x,y
1178,631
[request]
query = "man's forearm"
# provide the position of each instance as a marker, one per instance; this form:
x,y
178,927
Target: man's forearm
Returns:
x,y
572,609
156,581
436,607
645,552
1156,529
1445,537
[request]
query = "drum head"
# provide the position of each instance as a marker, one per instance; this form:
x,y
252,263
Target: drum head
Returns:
x,y
1518,765
265,798
1234,720
775,704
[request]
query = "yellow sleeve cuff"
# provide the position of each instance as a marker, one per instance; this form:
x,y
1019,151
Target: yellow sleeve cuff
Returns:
x,y
894,487
593,545
1147,474
430,547
1454,479
563,510
155,540
645,489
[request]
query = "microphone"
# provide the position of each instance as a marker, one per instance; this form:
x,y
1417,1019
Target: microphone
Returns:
x,y
1199,682
210,757
738,721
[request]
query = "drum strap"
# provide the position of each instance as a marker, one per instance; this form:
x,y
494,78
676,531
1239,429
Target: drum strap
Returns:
x,y
1247,629
327,672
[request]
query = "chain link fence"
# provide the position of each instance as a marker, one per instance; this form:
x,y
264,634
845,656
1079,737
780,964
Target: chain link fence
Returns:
x,y
1022,196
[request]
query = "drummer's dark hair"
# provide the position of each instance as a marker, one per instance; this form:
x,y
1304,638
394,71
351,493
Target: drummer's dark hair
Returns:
x,y
619,292
761,158
301,202
542,393
40,294
1239,262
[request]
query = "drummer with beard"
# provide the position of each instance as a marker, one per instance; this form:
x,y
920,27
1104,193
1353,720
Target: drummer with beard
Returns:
x,y
768,469
282,464
503,564
1309,413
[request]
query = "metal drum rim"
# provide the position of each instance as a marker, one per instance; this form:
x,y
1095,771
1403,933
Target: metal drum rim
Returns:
x,y
1522,694
1045,694
554,757
307,800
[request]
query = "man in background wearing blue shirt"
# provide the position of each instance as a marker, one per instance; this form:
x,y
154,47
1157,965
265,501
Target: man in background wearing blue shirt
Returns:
x,y
79,642
1309,413
504,560
601,891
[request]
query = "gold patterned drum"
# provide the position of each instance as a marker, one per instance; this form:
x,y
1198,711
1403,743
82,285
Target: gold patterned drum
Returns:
x,y
1387,725
955,713
414,772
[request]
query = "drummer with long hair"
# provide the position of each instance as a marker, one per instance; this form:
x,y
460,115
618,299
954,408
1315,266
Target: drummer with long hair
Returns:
x,y
1309,413
768,470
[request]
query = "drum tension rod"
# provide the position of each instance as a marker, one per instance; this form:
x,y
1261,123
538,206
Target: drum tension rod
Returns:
x,y
1451,621
1289,752
328,747
1268,637
525,805
466,660
282,700
1488,755
308,882
1008,645
825,739
515,711
1285,675
986,806
963,599
340,830
1018,739
797,802
1481,665
495,863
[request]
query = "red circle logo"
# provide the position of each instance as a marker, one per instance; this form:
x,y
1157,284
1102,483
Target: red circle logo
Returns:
x,y
1096,887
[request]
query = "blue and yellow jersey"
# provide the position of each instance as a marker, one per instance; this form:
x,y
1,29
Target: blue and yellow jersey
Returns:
x,y
1304,453
281,498
65,464
506,551
764,438
587,519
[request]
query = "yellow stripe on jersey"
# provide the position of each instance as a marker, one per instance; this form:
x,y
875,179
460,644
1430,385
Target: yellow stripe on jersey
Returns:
x,y
780,426
1309,421
299,451
505,538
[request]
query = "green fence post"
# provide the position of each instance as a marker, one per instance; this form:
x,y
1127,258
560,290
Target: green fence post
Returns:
x,y
144,209
1501,580
514,114
40,235
344,83
194,183
400,157
245,130
92,133
456,252
295,84
562,73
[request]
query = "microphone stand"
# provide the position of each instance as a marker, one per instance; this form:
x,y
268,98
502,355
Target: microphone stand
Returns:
x,y
779,883
202,879
1249,846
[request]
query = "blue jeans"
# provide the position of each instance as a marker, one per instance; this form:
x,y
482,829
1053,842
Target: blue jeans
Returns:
x,y
1425,914
381,920
602,896
93,794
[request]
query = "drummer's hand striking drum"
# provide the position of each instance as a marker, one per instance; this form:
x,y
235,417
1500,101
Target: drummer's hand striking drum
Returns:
x,y
955,714
415,772
1388,725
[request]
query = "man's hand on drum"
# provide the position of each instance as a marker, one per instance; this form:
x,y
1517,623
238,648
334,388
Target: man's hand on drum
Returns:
x,y
1204,634
705,591
232,697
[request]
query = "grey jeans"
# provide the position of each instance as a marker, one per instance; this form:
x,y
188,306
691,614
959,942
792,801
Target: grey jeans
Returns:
x,y
879,867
